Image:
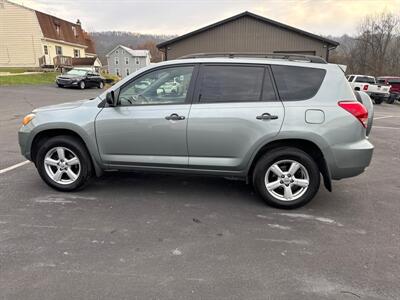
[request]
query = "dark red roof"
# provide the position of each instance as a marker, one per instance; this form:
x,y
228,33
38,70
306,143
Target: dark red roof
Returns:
x,y
83,61
49,25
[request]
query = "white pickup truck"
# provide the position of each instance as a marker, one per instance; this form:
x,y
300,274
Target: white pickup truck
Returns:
x,y
365,83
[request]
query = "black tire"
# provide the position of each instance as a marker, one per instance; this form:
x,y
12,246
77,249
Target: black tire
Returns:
x,y
73,144
391,99
378,100
60,85
101,85
82,85
281,154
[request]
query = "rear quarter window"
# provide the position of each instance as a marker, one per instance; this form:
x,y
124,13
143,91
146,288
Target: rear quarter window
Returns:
x,y
297,83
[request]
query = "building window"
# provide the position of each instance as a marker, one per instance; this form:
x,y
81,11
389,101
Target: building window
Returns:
x,y
127,72
127,60
137,61
58,29
59,50
77,53
116,52
117,72
74,30
116,60
46,50
122,52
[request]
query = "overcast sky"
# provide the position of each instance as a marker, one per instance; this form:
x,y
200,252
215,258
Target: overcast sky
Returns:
x,y
326,17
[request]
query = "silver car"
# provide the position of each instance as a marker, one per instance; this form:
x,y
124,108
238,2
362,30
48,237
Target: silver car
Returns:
x,y
278,122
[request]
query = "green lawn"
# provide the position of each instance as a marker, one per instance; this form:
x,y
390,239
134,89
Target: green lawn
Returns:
x,y
43,78
17,70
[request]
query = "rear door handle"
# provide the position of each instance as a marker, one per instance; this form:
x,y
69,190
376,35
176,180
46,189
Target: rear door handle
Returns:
x,y
174,117
267,116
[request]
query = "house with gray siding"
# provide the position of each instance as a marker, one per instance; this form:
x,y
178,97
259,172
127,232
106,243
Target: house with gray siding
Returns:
x,y
247,32
123,61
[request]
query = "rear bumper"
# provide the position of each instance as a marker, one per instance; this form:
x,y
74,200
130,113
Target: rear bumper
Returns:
x,y
378,95
350,159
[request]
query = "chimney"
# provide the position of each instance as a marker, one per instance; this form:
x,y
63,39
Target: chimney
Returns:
x,y
78,22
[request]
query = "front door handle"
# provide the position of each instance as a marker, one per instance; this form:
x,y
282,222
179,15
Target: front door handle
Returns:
x,y
267,116
174,117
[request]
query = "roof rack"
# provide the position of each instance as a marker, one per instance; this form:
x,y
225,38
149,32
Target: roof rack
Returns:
x,y
291,57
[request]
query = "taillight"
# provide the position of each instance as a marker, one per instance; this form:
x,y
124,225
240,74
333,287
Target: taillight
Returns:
x,y
356,109
365,87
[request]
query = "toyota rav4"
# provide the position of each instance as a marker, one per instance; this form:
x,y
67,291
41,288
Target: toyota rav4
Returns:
x,y
280,122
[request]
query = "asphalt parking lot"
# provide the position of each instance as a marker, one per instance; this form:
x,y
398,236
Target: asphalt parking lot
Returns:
x,y
136,236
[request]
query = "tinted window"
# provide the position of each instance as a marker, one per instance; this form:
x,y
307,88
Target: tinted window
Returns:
x,y
165,86
365,79
394,81
231,83
351,78
268,93
297,83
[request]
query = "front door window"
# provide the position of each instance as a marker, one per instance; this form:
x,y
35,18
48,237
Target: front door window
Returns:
x,y
165,86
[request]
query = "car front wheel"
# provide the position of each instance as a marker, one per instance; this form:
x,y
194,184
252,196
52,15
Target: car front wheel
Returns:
x,y
101,85
286,178
82,85
64,163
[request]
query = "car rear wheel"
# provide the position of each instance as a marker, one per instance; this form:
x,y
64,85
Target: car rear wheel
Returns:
x,y
378,100
391,99
82,85
286,178
64,163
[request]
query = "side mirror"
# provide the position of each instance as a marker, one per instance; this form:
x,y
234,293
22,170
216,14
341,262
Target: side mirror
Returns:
x,y
110,98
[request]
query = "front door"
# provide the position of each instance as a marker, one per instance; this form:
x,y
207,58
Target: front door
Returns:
x,y
235,112
148,127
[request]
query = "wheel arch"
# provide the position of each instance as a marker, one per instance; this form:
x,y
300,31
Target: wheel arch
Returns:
x,y
306,145
42,136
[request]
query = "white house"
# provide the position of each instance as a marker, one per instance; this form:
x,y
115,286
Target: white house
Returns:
x,y
29,38
123,61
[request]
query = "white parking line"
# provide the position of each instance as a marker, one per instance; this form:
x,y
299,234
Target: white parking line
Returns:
x,y
14,166
384,127
378,118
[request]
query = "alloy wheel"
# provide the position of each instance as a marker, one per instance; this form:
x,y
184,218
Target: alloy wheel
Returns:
x,y
62,165
287,180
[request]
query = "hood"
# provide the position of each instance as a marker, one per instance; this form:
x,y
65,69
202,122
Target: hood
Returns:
x,y
68,105
66,76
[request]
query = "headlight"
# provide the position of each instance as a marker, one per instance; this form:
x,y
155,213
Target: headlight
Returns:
x,y
27,119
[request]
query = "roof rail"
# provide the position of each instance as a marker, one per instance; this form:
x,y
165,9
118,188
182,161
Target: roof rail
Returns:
x,y
291,56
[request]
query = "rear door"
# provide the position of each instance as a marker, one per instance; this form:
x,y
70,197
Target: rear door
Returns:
x,y
235,111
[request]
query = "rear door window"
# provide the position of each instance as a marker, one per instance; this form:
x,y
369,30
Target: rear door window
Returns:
x,y
350,79
297,83
219,83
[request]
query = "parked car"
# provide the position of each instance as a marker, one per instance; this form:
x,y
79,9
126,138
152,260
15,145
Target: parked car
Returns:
x,y
169,88
80,78
394,83
367,84
276,123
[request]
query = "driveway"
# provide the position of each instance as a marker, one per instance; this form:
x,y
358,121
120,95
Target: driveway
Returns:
x,y
136,236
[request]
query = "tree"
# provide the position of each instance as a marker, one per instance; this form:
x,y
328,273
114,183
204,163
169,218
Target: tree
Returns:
x,y
156,55
375,44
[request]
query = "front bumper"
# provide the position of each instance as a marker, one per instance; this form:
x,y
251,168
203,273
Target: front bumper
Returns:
x,y
68,83
24,141
350,159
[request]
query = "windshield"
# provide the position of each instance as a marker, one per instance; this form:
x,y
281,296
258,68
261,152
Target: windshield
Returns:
x,y
365,79
77,72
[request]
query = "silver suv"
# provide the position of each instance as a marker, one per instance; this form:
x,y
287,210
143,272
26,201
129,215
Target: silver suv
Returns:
x,y
278,122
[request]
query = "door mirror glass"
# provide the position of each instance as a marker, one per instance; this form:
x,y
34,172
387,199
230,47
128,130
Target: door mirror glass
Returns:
x,y
110,98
